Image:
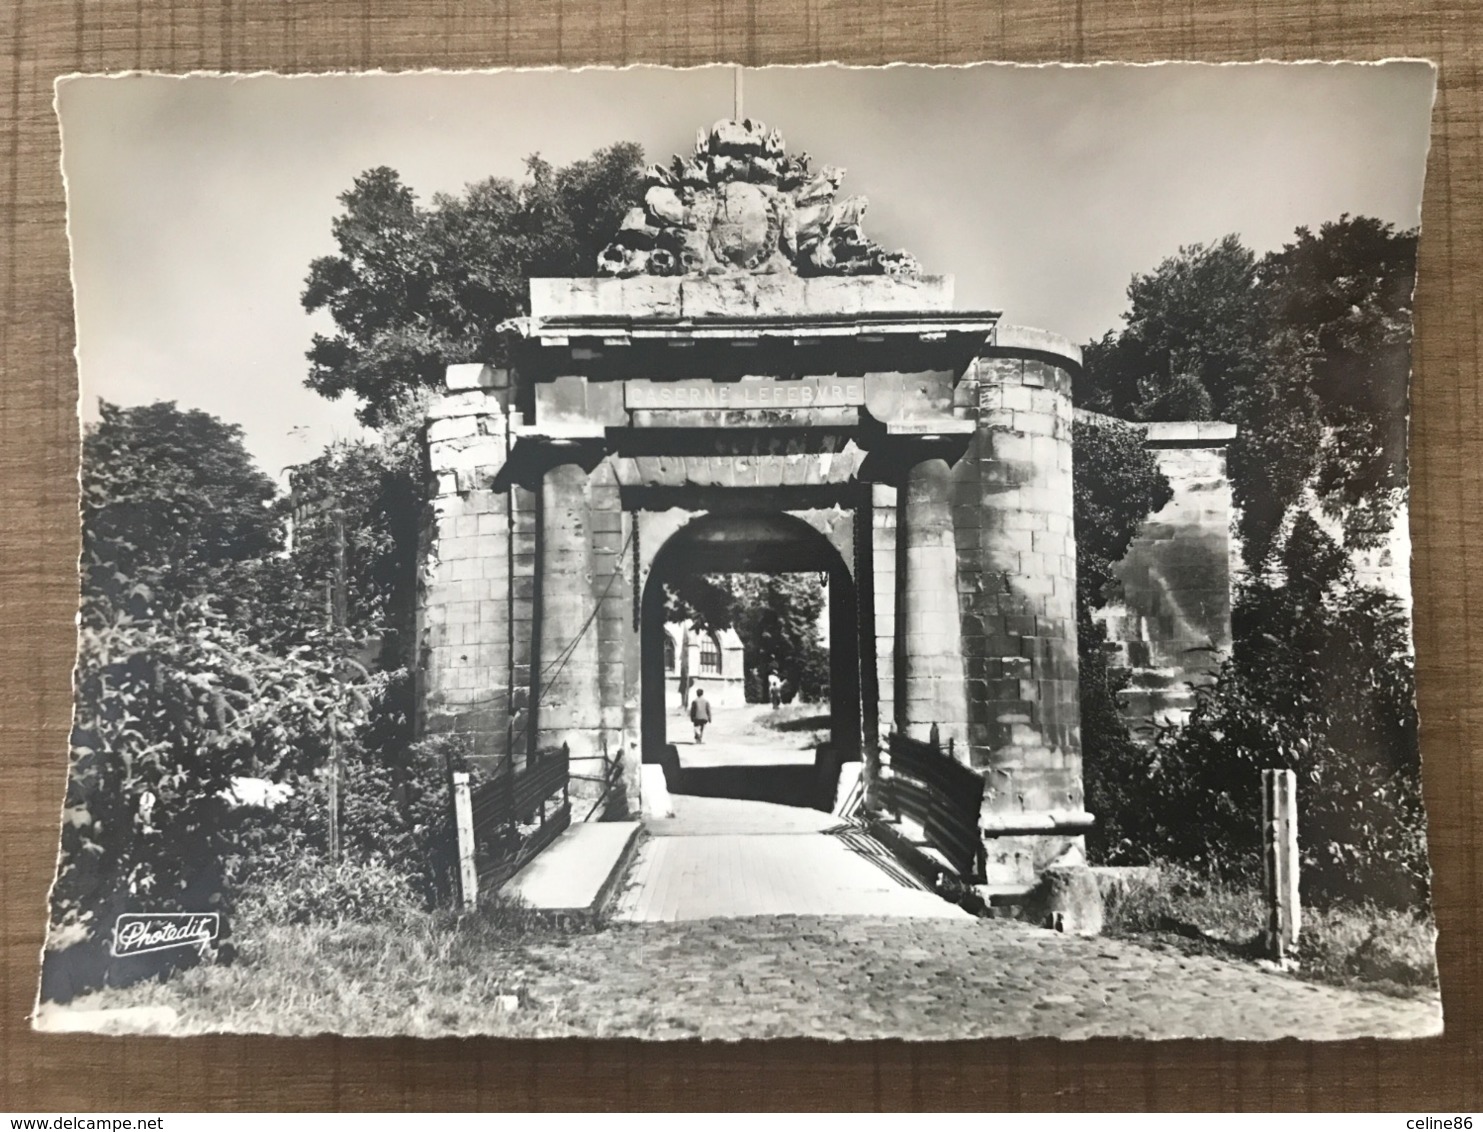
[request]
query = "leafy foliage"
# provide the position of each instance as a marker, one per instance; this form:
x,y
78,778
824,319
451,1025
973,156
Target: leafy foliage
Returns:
x,y
378,488
1306,350
170,499
1323,686
1347,292
395,808
413,289
1117,485
170,711
775,615
204,659
1197,315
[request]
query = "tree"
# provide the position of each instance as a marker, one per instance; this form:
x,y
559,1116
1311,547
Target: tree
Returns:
x,y
170,497
1346,292
1198,315
776,616
1117,484
414,289
171,710
377,486
1306,350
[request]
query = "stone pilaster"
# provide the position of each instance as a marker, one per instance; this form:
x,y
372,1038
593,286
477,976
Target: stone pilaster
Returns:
x,y
568,689
932,689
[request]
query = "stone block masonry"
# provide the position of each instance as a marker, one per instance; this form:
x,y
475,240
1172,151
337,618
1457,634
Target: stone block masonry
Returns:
x,y
1017,587
752,384
932,485
467,629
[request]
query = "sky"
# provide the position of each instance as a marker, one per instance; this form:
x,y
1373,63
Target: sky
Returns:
x,y
196,204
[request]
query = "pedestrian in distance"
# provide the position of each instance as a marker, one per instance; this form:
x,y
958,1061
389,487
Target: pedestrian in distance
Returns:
x,y
774,690
700,714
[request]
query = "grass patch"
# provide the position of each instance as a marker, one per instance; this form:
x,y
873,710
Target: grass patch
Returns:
x,y
1391,950
1345,945
420,973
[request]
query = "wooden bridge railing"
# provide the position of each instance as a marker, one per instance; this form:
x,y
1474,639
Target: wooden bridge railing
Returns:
x,y
505,821
930,786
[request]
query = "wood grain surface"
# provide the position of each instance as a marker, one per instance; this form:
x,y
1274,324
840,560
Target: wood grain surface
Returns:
x,y
40,39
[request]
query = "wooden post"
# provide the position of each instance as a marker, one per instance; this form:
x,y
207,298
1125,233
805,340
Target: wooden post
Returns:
x,y
337,626
1280,861
463,810
333,790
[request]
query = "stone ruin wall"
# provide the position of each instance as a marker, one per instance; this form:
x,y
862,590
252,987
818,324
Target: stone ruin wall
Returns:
x,y
1170,629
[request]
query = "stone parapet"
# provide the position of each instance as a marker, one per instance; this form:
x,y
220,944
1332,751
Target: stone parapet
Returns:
x,y
777,296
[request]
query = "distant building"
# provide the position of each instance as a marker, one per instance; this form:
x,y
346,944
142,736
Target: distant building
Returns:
x,y
715,661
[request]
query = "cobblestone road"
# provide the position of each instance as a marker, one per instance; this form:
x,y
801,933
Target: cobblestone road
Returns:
x,y
701,951
860,977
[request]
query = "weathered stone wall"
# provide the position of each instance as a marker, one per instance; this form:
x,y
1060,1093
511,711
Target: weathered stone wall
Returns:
x,y
1017,578
1171,627
465,638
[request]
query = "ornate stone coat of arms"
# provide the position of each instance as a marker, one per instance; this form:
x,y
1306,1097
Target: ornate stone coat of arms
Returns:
x,y
742,203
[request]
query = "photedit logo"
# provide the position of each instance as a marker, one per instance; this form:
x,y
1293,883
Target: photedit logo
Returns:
x,y
137,933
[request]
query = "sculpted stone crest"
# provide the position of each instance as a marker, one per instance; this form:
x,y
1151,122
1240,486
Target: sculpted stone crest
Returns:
x,y
741,203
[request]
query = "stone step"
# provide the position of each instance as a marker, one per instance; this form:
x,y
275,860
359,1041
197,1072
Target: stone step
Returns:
x,y
575,874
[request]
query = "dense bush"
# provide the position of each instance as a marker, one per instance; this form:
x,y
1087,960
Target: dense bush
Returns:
x,y
204,660
394,808
171,709
1322,684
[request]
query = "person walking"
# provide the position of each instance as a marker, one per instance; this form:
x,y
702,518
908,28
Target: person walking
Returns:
x,y
700,714
774,690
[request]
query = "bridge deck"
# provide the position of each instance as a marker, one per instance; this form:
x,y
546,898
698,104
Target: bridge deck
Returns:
x,y
757,855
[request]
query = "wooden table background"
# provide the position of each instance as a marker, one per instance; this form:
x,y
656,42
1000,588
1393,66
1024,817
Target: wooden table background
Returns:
x,y
40,39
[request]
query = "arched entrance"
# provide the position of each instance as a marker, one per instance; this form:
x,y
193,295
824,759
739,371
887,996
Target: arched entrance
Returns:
x,y
765,543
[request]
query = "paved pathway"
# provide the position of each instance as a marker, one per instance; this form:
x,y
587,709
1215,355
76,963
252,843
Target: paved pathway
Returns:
x,y
723,857
758,855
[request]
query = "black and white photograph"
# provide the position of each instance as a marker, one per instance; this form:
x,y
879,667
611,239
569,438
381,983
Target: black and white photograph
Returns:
x,y
738,553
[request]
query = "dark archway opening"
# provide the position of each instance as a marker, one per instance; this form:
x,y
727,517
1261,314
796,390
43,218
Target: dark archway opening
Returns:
x,y
774,544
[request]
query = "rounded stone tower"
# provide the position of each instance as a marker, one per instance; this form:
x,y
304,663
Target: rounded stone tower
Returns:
x,y
1017,576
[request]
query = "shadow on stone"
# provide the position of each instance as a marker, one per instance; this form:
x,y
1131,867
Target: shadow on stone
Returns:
x,y
784,785
821,722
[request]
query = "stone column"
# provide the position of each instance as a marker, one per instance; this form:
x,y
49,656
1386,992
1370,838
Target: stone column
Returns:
x,y
931,689
569,704
1020,557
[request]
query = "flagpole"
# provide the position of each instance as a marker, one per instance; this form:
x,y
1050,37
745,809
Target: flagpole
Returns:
x,y
736,94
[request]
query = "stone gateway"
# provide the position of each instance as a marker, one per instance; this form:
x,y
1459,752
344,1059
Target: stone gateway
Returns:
x,y
751,384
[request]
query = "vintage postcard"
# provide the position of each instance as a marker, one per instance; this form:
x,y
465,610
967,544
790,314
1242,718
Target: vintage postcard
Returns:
x,y
558,562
